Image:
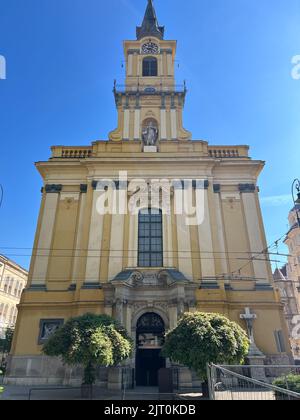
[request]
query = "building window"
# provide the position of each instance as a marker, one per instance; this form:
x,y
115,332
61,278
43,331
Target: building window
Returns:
x,y
149,67
150,243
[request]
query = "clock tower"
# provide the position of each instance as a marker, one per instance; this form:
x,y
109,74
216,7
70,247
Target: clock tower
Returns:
x,y
150,96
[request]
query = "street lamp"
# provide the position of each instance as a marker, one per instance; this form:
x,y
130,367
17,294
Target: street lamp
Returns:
x,y
296,191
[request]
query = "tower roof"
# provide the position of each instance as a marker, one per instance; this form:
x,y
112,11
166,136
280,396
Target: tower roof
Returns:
x,y
150,25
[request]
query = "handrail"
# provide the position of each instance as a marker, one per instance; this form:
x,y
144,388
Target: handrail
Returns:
x,y
256,382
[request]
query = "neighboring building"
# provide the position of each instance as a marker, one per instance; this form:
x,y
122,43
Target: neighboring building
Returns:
x,y
289,285
289,293
147,269
292,241
13,280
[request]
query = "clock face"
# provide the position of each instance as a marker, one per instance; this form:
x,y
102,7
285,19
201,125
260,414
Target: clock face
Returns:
x,y
150,48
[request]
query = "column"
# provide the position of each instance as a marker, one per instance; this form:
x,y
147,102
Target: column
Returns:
x,y
128,314
255,233
173,114
173,316
95,244
138,59
133,241
163,124
126,124
168,241
130,65
137,122
170,64
205,242
160,66
108,308
220,233
184,247
116,246
78,252
40,267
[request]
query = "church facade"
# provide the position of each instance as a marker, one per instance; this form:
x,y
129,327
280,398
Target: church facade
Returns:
x,y
145,226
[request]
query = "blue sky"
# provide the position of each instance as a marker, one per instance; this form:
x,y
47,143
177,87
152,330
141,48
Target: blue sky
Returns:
x,y
62,57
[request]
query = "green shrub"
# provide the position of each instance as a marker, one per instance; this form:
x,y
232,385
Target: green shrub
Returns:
x,y
90,340
203,338
290,382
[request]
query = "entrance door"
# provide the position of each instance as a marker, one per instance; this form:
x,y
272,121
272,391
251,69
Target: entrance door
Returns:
x,y
149,339
148,363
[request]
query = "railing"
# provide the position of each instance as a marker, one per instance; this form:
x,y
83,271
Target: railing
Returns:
x,y
149,89
249,383
234,152
72,152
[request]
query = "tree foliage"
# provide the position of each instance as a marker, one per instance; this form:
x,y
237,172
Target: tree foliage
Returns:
x,y
90,340
202,338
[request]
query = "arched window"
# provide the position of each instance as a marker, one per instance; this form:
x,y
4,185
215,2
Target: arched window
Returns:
x,y
150,67
150,243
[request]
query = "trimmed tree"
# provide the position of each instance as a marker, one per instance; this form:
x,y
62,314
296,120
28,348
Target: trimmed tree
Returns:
x,y
203,338
90,340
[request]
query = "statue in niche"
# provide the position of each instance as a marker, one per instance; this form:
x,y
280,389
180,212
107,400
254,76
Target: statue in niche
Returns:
x,y
150,135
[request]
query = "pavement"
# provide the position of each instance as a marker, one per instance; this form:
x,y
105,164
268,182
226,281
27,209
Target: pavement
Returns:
x,y
15,393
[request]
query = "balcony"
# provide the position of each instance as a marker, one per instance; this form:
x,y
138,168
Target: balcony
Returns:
x,y
149,89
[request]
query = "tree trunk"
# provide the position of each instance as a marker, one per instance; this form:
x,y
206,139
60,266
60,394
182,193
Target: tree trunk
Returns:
x,y
88,381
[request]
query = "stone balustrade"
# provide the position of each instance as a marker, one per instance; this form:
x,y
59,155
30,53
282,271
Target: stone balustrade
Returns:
x,y
71,152
219,152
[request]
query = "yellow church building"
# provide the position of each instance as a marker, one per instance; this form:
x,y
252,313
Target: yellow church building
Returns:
x,y
99,249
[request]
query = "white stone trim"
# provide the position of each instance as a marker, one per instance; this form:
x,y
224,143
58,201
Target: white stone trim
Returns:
x,y
160,66
126,124
220,234
95,243
115,264
163,124
72,196
168,260
130,65
255,236
77,252
133,240
137,122
184,247
170,64
173,114
206,243
39,273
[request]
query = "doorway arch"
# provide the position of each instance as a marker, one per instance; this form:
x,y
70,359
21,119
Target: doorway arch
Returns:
x,y
150,331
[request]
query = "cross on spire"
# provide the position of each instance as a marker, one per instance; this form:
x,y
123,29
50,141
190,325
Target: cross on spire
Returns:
x,y
150,25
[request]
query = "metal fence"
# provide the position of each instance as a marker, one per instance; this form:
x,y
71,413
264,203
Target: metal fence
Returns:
x,y
250,382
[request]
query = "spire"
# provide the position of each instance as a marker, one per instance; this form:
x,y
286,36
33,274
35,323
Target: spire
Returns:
x,y
150,26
